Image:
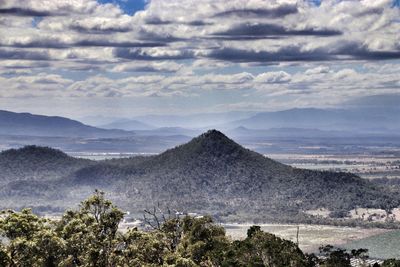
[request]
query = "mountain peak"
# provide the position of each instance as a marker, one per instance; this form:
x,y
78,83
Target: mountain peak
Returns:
x,y
216,140
213,134
212,143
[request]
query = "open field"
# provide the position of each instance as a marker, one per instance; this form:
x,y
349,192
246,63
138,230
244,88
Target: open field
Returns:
x,y
385,245
367,166
311,237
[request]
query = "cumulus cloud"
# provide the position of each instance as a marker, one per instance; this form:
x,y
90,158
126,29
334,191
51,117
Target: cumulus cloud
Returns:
x,y
183,48
46,8
23,54
250,31
147,67
102,25
152,54
289,53
269,31
317,70
258,11
274,77
24,12
345,74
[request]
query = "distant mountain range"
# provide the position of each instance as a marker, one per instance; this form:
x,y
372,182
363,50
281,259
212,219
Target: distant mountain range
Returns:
x,y
191,121
210,174
27,124
364,120
128,125
243,132
305,122
169,131
290,131
355,120
375,114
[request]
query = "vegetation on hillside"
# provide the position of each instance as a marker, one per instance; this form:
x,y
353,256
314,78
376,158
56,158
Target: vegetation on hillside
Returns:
x,y
89,236
209,175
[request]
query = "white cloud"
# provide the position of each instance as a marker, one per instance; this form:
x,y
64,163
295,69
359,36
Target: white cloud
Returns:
x,y
345,74
274,77
187,48
317,70
165,66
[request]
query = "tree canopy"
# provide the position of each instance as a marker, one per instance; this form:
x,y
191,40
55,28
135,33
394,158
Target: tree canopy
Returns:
x,y
89,236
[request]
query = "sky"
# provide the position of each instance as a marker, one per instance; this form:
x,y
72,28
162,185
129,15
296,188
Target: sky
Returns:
x,y
127,58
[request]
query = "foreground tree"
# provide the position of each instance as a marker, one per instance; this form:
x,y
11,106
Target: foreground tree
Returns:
x,y
202,241
89,237
391,263
31,240
4,259
264,249
91,232
334,257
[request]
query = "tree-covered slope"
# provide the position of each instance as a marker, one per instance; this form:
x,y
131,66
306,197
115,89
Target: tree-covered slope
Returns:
x,y
37,163
214,173
210,174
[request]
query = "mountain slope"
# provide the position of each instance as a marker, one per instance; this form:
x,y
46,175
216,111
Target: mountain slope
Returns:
x,y
12,123
211,174
221,175
36,163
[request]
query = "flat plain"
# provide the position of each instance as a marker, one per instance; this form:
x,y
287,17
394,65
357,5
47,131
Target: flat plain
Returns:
x,y
311,237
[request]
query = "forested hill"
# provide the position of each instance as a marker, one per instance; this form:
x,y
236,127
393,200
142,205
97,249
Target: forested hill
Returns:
x,y
210,174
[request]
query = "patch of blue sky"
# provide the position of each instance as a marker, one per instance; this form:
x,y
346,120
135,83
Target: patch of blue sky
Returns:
x,y
316,2
36,21
130,7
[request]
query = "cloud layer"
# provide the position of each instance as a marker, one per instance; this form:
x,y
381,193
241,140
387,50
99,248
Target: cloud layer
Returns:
x,y
184,48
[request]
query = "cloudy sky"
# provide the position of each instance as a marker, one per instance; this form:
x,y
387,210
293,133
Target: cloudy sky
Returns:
x,y
131,57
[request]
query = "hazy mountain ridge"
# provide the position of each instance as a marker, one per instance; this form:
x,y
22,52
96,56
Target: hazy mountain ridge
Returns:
x,y
210,174
352,118
12,123
128,125
358,120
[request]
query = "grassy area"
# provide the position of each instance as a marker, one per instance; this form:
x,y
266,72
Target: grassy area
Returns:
x,y
385,245
311,237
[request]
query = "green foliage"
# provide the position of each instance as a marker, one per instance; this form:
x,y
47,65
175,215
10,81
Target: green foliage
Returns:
x,y
203,241
31,240
22,224
264,249
4,259
391,263
143,248
335,257
90,233
89,237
